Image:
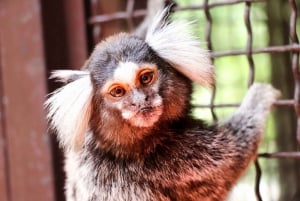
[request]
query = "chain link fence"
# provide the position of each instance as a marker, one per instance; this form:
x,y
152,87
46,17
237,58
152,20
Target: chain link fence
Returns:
x,y
104,20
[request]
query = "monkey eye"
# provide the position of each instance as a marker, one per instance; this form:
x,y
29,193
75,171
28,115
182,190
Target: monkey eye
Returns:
x,y
117,91
146,77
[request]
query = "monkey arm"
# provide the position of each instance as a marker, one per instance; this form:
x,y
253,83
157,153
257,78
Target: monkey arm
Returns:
x,y
246,126
255,106
221,155
244,130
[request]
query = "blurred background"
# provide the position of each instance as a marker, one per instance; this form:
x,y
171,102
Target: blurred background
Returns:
x,y
249,41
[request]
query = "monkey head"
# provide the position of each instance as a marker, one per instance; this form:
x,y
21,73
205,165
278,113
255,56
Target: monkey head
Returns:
x,y
131,84
134,85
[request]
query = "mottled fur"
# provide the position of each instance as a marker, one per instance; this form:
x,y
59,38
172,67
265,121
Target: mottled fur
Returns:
x,y
167,155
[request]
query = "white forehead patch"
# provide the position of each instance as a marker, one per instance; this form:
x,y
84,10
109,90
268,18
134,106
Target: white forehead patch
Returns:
x,y
126,72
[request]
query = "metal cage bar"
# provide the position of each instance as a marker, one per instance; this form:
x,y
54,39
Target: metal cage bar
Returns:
x,y
294,48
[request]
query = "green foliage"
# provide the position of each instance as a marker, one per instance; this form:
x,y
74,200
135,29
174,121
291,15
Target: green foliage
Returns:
x,y
229,33
232,72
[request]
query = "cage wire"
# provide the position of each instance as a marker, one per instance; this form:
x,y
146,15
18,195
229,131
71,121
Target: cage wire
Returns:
x,y
97,19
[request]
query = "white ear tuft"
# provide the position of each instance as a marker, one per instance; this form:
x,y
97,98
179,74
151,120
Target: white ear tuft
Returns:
x,y
66,76
175,43
69,109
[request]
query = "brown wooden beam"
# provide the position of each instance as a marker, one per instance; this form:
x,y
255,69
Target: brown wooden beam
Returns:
x,y
64,29
4,183
23,94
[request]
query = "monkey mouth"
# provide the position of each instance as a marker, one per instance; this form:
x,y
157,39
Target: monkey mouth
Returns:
x,y
149,111
146,116
146,109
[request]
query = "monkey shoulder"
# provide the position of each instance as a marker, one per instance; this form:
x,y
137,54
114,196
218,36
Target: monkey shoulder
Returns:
x,y
192,142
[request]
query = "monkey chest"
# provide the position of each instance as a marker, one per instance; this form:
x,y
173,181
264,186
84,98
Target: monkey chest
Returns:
x,y
111,181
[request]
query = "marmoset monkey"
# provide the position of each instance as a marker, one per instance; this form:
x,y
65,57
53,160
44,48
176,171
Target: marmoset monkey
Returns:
x,y
124,124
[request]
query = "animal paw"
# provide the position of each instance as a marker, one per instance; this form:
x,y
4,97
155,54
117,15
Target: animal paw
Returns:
x,y
260,97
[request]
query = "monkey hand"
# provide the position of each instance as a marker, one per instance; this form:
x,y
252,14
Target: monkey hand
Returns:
x,y
259,99
250,118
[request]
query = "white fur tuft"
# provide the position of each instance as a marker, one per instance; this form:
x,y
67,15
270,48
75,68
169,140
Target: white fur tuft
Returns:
x,y
69,108
175,43
67,75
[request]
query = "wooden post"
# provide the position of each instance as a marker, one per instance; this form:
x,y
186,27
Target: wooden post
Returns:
x,y
24,144
64,29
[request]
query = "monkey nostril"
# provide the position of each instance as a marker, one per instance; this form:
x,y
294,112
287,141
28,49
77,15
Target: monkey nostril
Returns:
x,y
146,98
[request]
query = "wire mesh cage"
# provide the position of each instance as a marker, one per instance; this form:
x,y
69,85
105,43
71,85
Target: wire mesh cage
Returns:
x,y
265,41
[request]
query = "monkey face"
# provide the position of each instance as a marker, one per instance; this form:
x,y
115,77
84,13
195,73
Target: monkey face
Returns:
x,y
130,87
134,91
132,83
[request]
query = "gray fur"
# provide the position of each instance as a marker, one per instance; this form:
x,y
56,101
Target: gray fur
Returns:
x,y
175,158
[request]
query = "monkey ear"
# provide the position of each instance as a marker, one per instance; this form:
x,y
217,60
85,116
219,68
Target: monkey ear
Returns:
x,y
174,42
69,107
